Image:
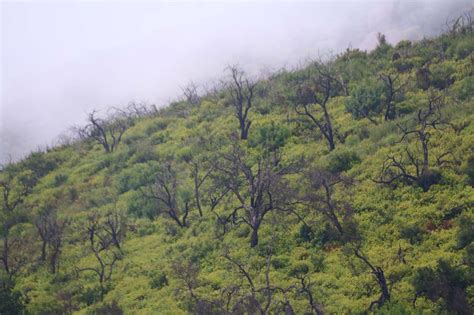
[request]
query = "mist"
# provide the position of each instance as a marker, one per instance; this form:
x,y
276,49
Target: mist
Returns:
x,y
60,60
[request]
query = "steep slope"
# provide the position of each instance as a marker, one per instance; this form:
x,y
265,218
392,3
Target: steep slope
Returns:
x,y
383,221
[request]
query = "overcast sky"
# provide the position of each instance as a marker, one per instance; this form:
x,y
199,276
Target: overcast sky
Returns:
x,y
59,60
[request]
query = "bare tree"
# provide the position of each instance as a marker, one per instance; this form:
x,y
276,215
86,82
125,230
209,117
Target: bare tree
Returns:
x,y
258,298
410,167
379,276
321,85
51,232
103,249
13,193
241,90
109,131
258,185
190,92
319,196
392,90
187,272
115,227
165,191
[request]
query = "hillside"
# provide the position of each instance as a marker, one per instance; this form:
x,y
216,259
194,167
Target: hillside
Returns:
x,y
345,186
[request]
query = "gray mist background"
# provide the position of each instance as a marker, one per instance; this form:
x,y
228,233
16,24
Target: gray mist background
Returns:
x,y
60,60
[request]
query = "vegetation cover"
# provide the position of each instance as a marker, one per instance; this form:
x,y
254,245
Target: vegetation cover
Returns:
x,y
344,186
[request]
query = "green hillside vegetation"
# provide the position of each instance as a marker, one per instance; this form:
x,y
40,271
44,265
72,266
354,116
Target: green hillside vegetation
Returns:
x,y
345,186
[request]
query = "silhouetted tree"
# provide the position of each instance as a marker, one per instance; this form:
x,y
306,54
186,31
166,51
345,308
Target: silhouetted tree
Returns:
x,y
253,298
319,196
165,191
241,90
109,131
51,231
104,250
321,85
257,184
379,275
191,95
400,168
393,89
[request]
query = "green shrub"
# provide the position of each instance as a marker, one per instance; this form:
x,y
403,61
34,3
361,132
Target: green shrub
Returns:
x,y
466,231
280,262
342,160
414,234
59,180
158,280
300,268
469,170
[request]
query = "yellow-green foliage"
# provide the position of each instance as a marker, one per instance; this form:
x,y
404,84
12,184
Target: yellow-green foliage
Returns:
x,y
400,228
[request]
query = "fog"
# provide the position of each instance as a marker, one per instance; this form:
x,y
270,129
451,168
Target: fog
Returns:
x,y
60,60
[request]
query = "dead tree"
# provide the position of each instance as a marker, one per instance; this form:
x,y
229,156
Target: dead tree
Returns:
x,y
187,272
108,132
51,232
259,186
164,191
321,85
413,167
306,289
392,90
104,251
259,298
321,185
13,194
191,95
241,90
115,227
379,276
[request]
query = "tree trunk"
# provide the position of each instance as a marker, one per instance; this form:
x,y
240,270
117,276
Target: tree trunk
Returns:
x,y
254,237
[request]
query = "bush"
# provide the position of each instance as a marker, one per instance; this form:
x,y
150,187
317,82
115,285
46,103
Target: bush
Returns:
x,y
59,180
279,262
463,88
365,99
342,160
469,170
11,302
466,231
445,282
270,137
158,280
414,234
109,309
300,268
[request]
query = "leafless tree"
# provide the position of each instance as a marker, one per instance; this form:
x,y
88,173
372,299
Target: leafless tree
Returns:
x,y
51,231
191,95
400,168
13,193
379,276
258,185
165,191
115,227
187,272
321,85
319,196
108,132
241,90
103,249
254,298
463,24
392,89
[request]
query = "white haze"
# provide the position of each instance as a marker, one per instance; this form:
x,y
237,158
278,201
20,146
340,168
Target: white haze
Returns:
x,y
60,60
